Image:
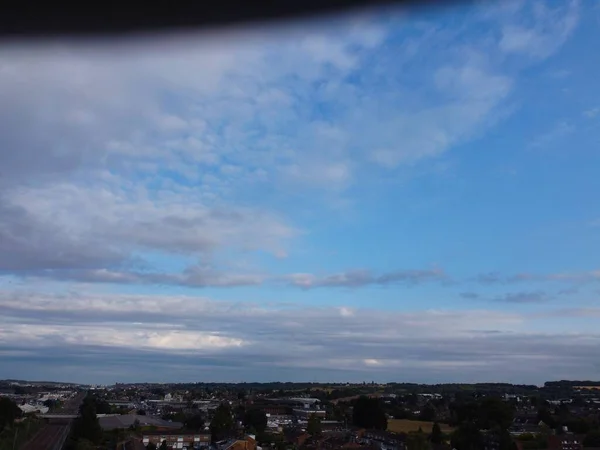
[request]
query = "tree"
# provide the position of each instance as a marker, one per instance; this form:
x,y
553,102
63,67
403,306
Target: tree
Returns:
x,y
412,399
577,425
545,416
222,422
255,418
102,406
84,444
314,425
163,445
195,422
505,441
493,412
592,439
436,434
428,414
158,391
467,437
21,390
141,412
417,441
86,426
135,426
51,404
151,446
368,413
9,411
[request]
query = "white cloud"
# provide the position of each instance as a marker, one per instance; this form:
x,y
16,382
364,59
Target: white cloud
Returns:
x,y
558,132
346,312
258,340
372,362
547,29
357,278
592,112
577,277
104,335
112,222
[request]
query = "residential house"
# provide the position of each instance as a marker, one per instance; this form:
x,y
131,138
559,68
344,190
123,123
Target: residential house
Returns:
x,y
565,442
177,439
383,440
247,443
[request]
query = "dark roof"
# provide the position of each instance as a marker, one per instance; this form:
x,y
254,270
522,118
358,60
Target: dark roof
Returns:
x,y
384,435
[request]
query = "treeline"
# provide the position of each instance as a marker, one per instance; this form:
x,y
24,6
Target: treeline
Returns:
x,y
14,434
9,412
570,383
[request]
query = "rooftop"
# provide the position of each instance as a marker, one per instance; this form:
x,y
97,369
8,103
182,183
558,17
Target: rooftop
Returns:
x,y
127,420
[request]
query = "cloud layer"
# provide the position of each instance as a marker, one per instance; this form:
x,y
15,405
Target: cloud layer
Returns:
x,y
132,174
149,147
231,341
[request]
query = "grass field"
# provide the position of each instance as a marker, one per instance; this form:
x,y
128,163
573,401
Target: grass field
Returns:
x,y
406,426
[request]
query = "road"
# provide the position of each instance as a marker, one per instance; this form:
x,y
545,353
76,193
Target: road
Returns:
x,y
72,406
53,435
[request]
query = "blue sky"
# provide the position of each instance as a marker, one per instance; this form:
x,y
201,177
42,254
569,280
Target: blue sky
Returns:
x,y
400,195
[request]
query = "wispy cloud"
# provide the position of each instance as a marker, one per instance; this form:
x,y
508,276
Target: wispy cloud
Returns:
x,y
207,276
592,112
522,297
193,276
574,277
489,278
558,132
540,32
358,278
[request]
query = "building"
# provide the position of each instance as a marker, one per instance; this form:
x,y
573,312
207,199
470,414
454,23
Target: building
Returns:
x,y
306,402
565,442
332,425
296,436
384,440
177,440
275,410
28,408
247,443
306,413
131,444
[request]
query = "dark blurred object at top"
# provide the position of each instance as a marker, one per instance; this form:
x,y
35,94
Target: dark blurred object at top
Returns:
x,y
19,19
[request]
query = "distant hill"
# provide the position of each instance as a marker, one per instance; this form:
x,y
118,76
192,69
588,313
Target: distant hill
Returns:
x,y
40,383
